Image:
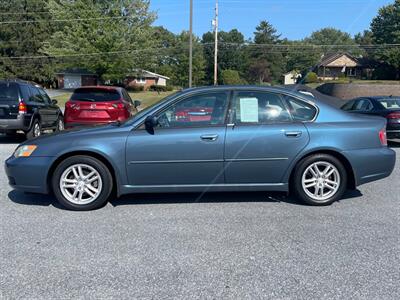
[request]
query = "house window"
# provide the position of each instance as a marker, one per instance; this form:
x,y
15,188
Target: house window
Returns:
x,y
351,72
141,80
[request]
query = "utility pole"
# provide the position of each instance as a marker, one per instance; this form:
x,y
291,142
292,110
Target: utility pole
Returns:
x,y
216,44
191,45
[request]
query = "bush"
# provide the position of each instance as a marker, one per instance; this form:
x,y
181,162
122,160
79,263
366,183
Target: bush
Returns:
x,y
231,77
135,88
311,77
158,88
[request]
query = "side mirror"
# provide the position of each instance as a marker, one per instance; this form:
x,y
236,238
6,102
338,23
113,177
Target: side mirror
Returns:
x,y
150,123
54,101
137,103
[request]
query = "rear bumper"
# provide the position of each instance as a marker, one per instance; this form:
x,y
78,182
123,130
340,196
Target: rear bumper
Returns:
x,y
28,174
22,122
371,164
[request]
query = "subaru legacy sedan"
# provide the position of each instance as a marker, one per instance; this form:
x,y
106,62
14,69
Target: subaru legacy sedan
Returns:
x,y
253,139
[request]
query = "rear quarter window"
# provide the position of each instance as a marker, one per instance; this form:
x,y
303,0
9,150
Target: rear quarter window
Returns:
x,y
300,110
95,95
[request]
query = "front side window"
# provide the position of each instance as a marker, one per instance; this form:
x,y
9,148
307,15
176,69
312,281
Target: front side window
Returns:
x,y
45,96
348,106
259,108
200,110
300,110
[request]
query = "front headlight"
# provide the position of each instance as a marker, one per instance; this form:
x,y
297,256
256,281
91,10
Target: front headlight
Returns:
x,y
24,151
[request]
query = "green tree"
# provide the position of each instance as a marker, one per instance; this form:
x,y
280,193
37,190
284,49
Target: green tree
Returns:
x,y
230,52
113,37
231,77
300,56
266,63
385,29
332,40
24,36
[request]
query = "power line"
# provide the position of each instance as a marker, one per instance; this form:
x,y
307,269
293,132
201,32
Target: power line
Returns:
x,y
64,20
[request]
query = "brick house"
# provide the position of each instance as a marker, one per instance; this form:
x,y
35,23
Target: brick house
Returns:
x,y
75,77
337,65
145,78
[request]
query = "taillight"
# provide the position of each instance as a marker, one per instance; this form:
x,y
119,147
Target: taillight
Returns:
x,y
393,115
118,105
72,105
383,137
22,109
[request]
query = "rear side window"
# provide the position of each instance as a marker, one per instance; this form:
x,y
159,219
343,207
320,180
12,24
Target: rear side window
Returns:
x,y
259,108
95,95
300,110
35,95
9,91
363,105
25,92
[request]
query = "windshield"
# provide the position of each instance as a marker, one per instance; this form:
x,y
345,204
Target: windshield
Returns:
x,y
393,103
95,95
8,91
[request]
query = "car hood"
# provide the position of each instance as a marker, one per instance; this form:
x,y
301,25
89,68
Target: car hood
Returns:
x,y
71,133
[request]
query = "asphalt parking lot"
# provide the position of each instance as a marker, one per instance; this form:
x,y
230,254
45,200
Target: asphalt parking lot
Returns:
x,y
235,245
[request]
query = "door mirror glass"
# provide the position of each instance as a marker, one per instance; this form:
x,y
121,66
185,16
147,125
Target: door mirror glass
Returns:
x,y
137,103
54,101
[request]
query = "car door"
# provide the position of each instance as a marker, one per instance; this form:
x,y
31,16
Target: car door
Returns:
x,y
39,107
263,136
51,110
186,148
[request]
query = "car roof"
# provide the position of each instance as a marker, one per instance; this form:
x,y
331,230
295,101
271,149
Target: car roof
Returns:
x,y
100,87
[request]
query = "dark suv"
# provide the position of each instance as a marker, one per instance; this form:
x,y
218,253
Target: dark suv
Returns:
x,y
26,107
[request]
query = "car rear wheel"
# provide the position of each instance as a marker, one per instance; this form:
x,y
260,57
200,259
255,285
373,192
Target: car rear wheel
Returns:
x,y
320,180
35,131
59,125
82,183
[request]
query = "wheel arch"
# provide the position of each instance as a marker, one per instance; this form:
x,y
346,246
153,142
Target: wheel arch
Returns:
x,y
351,182
93,154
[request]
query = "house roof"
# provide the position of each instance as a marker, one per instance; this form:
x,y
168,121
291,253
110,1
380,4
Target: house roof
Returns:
x,y
146,74
329,58
76,71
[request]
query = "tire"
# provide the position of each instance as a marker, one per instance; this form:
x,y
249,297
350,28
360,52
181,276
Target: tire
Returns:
x,y
76,196
59,124
35,131
319,189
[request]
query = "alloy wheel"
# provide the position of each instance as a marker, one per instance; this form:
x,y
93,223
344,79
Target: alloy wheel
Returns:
x,y
81,184
36,130
321,180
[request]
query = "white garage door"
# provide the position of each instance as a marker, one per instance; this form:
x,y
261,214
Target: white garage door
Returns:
x,y
72,81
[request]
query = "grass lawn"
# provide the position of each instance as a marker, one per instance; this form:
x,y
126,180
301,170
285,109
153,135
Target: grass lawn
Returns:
x,y
147,98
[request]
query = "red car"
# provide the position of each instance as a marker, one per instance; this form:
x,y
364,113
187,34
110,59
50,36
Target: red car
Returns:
x,y
98,105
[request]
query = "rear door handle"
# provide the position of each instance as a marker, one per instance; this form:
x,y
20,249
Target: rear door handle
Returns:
x,y
209,137
293,134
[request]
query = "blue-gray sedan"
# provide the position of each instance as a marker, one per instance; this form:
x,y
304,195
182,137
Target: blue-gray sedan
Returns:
x,y
210,139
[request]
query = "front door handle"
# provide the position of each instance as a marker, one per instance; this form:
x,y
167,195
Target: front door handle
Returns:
x,y
209,137
293,134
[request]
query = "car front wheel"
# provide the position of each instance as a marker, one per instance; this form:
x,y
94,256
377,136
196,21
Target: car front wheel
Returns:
x,y
320,179
82,183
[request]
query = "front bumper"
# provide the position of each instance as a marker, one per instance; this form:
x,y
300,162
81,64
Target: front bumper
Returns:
x,y
371,164
28,174
22,122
